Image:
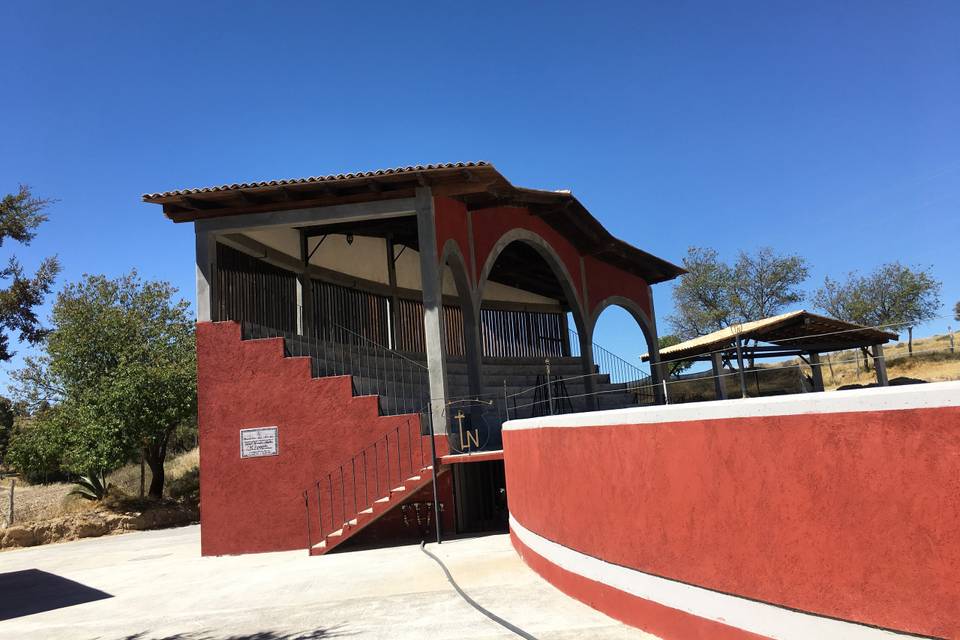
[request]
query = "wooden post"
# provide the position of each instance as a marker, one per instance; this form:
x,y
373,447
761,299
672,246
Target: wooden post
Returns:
x,y
720,390
13,486
394,298
817,370
833,377
880,364
305,319
743,382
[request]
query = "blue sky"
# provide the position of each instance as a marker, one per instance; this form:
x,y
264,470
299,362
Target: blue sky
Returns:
x,y
826,130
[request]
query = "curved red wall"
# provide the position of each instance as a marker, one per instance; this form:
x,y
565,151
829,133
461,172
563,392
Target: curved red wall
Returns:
x,y
852,514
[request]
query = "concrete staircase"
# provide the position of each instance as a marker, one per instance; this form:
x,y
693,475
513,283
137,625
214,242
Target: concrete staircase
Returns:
x,y
365,517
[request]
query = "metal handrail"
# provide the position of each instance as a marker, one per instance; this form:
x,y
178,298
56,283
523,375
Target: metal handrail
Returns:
x,y
345,490
401,383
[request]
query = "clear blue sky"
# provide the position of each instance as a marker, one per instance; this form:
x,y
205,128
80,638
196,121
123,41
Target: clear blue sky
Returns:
x,y
831,131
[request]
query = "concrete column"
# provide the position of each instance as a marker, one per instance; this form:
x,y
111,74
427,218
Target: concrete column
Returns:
x,y
589,368
817,368
719,388
431,283
880,364
206,258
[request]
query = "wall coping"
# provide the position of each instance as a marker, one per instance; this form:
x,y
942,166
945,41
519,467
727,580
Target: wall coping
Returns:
x,y
915,396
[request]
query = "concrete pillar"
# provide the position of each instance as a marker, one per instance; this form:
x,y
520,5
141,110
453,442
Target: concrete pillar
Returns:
x,y
206,258
589,368
817,368
431,282
719,388
880,364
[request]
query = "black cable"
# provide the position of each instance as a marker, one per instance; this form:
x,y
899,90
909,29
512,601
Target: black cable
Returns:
x,y
503,623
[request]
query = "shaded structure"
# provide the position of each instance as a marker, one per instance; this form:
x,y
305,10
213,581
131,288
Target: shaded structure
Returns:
x,y
342,318
798,333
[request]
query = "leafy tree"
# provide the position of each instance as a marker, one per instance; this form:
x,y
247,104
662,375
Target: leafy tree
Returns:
x,y
956,311
713,295
20,215
702,298
676,367
36,449
764,283
6,425
119,373
893,296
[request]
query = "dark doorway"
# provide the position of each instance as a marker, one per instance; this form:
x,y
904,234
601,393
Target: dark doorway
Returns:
x,y
481,497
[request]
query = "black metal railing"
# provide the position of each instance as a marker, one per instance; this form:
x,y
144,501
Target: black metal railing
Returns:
x,y
401,383
636,381
345,491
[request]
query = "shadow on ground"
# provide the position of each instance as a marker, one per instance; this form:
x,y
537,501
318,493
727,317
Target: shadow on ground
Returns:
x,y
34,591
317,634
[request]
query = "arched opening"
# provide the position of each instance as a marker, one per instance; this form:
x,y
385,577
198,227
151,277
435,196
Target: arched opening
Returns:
x,y
621,333
527,300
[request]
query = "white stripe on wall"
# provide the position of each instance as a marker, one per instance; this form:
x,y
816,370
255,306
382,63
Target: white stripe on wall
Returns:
x,y
748,615
914,396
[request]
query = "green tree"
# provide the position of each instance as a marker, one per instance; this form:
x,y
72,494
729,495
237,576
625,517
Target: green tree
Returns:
x,y
764,283
674,367
713,295
956,311
893,296
702,299
20,215
6,426
119,372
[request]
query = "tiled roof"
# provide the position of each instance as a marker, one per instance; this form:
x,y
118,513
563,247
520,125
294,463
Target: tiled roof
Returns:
x,y
314,179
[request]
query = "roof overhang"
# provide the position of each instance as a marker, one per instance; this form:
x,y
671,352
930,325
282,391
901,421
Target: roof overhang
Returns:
x,y
478,184
793,333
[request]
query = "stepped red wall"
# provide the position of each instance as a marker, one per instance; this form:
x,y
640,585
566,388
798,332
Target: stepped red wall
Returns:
x,y
256,504
852,513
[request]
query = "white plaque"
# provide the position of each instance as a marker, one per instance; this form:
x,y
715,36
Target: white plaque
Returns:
x,y
259,442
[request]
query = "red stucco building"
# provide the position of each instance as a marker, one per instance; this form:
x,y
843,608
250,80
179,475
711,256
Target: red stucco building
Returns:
x,y
343,319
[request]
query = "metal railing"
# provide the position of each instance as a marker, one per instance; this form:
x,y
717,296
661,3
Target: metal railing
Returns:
x,y
401,383
637,381
346,490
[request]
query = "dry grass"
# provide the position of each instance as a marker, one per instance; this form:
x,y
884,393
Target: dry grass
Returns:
x,y
932,361
33,503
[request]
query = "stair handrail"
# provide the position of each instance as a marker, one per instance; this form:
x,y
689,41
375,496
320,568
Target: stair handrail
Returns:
x,y
392,465
632,372
378,370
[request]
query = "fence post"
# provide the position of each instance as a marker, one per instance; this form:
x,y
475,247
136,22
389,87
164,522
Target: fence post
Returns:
x,y
13,486
549,387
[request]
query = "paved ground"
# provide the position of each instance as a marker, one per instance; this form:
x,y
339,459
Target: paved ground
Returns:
x,y
155,585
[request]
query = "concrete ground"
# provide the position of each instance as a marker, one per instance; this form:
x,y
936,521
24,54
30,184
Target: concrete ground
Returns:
x,y
155,585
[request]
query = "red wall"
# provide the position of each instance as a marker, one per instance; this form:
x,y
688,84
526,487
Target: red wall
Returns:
x,y
489,225
451,221
256,504
850,515
604,280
